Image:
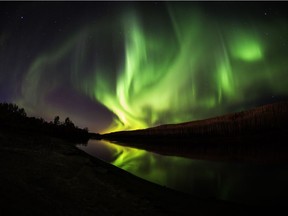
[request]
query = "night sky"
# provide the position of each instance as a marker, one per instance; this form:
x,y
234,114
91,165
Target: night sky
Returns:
x,y
127,65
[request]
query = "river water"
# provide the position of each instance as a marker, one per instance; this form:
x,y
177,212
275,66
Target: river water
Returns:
x,y
236,182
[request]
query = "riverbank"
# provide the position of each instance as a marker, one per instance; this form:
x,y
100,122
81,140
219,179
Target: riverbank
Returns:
x,y
258,135
42,175
249,149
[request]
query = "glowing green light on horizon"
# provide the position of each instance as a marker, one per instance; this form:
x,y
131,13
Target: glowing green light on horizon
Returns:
x,y
147,89
190,69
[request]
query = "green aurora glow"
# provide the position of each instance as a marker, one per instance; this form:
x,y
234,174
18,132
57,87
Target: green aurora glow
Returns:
x,y
188,67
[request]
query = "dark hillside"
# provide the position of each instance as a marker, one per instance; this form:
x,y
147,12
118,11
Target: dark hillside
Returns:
x,y
261,131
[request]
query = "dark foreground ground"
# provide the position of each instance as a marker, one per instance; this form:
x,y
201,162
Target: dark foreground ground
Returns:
x,y
48,176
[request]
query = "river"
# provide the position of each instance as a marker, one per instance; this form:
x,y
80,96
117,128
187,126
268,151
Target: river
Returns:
x,y
236,182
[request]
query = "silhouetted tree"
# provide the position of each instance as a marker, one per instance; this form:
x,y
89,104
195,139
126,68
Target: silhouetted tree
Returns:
x,y
22,112
56,120
68,123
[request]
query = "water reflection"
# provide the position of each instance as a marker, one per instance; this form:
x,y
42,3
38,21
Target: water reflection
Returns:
x,y
238,182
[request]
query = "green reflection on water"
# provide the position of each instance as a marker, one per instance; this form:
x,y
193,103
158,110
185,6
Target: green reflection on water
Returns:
x,y
163,170
238,182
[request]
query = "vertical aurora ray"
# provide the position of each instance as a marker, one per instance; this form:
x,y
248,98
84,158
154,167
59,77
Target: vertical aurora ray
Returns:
x,y
188,67
150,92
154,77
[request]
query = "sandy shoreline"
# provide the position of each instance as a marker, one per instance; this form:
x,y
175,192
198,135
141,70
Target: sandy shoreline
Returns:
x,y
45,176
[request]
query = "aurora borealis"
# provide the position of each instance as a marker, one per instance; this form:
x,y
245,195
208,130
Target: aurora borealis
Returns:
x,y
128,65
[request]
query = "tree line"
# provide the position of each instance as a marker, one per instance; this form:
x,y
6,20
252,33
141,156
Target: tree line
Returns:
x,y
271,117
257,134
15,119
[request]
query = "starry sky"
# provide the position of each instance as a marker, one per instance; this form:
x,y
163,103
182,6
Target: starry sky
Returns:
x,y
128,65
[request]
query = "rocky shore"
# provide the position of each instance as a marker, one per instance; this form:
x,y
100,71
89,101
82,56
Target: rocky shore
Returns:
x,y
42,175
